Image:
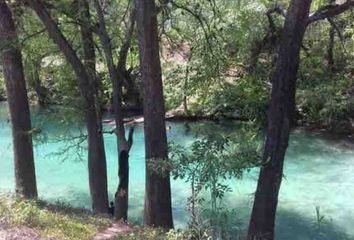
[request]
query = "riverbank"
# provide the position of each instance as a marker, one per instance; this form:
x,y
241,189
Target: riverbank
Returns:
x,y
343,128
32,220
22,219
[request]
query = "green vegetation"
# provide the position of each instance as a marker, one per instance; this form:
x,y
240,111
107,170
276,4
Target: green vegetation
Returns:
x,y
224,157
155,234
50,221
213,63
270,64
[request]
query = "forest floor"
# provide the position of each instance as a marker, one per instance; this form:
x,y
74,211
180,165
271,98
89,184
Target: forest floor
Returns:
x,y
113,231
32,220
38,220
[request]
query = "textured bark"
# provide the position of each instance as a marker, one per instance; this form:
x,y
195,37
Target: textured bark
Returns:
x,y
279,122
96,154
122,194
157,212
87,40
11,59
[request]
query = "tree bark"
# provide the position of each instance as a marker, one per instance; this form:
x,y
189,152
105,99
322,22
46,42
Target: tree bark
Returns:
x,y
158,210
279,122
11,59
96,153
87,41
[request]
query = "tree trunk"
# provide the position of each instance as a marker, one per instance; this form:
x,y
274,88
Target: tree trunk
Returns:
x,y
117,77
96,153
279,122
331,42
87,41
35,82
330,48
132,97
18,104
158,212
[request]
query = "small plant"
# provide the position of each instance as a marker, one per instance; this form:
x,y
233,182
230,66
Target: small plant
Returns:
x,y
207,165
320,218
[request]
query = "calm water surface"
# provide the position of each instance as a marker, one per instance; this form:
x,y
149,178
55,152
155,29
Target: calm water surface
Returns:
x,y
318,172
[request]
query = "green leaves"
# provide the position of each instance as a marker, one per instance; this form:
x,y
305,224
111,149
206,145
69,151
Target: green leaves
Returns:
x,y
214,158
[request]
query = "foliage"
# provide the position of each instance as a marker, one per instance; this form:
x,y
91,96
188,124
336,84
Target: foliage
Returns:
x,y
207,165
325,98
156,234
206,43
246,99
206,47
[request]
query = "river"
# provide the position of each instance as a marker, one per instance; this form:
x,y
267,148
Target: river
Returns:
x,y
319,172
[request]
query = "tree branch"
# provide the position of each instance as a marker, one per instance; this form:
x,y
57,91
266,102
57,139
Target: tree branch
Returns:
x,y
336,28
330,11
130,137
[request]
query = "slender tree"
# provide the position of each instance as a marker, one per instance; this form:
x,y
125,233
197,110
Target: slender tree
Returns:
x,y
281,112
158,210
88,89
11,59
117,77
279,121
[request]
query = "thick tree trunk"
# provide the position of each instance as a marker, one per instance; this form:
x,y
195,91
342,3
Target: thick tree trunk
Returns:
x,y
96,153
87,41
279,122
18,104
158,212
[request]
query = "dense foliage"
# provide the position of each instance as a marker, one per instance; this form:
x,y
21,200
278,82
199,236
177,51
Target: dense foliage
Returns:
x,y
214,63
218,58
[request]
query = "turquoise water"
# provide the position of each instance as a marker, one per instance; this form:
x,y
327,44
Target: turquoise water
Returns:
x,y
319,171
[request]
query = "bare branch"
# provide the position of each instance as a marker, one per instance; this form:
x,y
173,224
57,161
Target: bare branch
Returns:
x,y
33,35
340,35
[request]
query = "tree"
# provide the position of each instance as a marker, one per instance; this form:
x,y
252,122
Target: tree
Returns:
x,y
281,113
117,77
158,209
279,121
88,89
11,59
